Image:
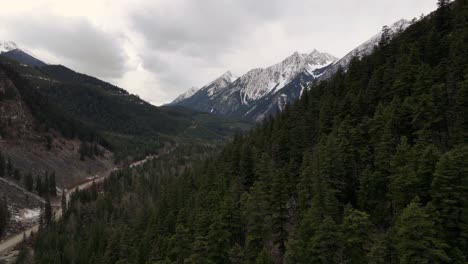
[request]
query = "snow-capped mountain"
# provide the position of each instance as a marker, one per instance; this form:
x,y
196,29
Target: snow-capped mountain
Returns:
x,y
232,96
219,84
263,92
364,49
6,46
185,95
258,83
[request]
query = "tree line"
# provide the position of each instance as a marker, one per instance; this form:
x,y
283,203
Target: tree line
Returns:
x,y
43,185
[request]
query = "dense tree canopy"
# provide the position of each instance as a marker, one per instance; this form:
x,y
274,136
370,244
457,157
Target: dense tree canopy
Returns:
x,y
368,167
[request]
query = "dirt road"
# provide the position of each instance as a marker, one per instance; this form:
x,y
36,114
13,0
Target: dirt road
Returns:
x,y
13,241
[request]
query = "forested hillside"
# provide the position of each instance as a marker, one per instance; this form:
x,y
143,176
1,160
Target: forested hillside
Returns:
x,y
368,167
84,107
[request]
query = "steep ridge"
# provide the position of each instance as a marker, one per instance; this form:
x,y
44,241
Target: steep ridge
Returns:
x,y
265,92
239,97
365,49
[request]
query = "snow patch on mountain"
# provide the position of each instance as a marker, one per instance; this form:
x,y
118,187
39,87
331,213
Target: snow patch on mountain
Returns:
x,y
258,83
219,83
6,46
365,49
185,95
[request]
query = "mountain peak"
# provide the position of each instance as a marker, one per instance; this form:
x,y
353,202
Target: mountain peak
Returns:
x,y
228,76
185,95
295,55
400,22
315,51
6,46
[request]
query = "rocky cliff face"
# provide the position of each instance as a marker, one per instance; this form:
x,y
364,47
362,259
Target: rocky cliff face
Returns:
x,y
16,120
32,147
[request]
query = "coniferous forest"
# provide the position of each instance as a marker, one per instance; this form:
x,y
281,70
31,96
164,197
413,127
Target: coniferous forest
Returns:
x,y
370,166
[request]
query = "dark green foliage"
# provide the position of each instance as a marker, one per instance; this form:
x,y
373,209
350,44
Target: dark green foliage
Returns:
x,y
64,204
45,186
89,150
39,186
4,215
47,217
2,165
17,174
368,167
29,181
9,168
416,237
450,199
52,188
356,232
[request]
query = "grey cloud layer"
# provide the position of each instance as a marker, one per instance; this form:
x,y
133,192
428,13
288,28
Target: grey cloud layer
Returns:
x,y
184,39
159,48
76,40
201,28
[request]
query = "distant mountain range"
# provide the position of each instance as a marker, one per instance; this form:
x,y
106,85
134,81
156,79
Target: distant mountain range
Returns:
x,y
263,92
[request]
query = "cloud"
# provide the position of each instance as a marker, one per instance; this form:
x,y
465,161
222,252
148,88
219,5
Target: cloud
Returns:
x,y
159,48
186,42
73,40
201,29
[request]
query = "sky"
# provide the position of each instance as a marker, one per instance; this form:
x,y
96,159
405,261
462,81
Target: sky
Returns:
x,y
158,49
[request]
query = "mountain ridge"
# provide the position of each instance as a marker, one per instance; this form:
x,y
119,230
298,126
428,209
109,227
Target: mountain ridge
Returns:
x,y
236,97
262,92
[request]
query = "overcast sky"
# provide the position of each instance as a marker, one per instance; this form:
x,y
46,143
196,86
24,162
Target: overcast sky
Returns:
x,y
160,48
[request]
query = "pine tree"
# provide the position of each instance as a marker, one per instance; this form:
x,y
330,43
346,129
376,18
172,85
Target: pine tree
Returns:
x,y
48,212
381,251
64,203
356,230
461,114
323,208
46,184
9,168
264,258
246,167
17,174
426,164
4,214
279,210
404,182
305,185
324,246
2,166
449,193
52,185
29,182
39,185
416,238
